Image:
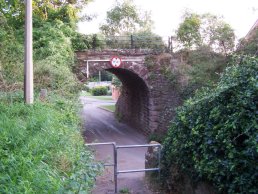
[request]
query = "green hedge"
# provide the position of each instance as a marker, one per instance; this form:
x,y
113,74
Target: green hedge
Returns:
x,y
41,149
99,91
214,135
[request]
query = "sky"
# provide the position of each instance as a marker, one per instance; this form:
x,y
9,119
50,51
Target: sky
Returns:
x,y
167,14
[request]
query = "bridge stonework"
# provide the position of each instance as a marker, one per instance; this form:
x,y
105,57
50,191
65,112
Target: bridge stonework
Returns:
x,y
149,95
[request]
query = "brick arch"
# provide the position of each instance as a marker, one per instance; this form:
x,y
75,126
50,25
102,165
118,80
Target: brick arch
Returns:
x,y
148,100
133,104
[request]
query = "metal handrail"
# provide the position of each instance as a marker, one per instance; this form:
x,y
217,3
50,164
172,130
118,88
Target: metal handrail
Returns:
x,y
138,146
138,170
115,148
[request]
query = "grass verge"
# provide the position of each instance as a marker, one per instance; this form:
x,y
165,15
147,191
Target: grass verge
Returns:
x,y
110,108
42,150
101,97
87,94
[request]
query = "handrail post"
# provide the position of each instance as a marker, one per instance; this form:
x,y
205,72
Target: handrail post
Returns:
x,y
132,42
159,158
115,153
87,69
115,166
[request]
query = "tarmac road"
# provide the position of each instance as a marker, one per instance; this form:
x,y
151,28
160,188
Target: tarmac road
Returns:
x,y
101,126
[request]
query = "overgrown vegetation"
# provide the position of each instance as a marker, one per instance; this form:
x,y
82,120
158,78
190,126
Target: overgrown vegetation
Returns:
x,y
41,148
214,135
200,68
82,42
205,44
205,30
54,42
53,57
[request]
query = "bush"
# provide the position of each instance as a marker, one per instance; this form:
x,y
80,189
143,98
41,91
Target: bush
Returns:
x,y
202,69
99,91
53,57
214,135
83,42
41,149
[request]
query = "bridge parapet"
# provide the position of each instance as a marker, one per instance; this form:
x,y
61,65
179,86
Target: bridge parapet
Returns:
x,y
120,52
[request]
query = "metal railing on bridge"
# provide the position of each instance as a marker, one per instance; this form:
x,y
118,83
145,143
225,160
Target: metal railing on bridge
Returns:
x,y
152,43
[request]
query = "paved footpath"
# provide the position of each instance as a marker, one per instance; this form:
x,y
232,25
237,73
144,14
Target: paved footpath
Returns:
x,y
101,126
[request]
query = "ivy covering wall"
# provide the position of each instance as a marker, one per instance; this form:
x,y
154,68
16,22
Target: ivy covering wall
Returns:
x,y
214,135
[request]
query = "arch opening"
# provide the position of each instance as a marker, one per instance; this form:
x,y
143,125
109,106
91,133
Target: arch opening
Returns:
x,y
132,105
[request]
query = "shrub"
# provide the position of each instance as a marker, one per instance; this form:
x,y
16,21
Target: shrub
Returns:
x,y
99,91
82,42
214,135
202,69
53,57
41,149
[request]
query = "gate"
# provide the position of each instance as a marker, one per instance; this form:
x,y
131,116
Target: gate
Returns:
x,y
115,156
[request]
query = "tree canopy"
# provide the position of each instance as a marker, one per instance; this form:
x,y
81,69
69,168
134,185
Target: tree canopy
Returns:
x,y
206,30
188,32
126,26
54,42
126,18
47,10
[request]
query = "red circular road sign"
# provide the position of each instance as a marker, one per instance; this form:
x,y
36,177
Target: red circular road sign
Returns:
x,y
115,61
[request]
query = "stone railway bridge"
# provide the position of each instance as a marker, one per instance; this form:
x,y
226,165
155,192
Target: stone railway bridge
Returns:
x,y
149,94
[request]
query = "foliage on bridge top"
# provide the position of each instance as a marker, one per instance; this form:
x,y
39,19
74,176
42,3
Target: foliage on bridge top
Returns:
x,y
136,41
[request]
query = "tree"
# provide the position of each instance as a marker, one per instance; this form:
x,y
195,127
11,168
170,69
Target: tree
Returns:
x,y
47,10
128,27
206,30
53,35
189,30
146,22
125,18
217,34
